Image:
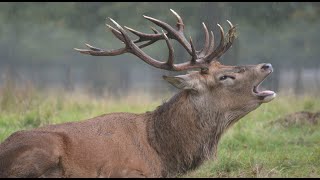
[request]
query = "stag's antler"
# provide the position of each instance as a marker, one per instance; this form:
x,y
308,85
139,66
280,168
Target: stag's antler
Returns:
x,y
199,58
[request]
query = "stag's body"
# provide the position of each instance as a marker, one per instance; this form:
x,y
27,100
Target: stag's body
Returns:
x,y
176,137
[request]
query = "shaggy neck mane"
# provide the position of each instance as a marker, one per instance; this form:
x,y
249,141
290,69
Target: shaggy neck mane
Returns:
x,y
184,131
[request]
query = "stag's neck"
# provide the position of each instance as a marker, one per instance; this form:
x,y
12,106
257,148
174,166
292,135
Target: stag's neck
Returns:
x,y
184,131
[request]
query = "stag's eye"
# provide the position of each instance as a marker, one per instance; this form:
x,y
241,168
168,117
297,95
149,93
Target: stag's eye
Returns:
x,y
226,77
223,78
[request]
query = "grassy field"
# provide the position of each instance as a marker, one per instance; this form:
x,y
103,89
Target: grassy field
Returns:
x,y
256,146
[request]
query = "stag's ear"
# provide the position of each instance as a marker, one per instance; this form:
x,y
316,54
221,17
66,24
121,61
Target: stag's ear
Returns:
x,y
180,82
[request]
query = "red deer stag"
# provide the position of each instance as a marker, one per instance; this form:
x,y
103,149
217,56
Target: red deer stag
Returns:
x,y
176,137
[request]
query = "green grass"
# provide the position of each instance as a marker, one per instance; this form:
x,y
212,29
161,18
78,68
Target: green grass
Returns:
x,y
253,147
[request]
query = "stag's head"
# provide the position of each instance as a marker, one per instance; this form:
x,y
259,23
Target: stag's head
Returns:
x,y
236,88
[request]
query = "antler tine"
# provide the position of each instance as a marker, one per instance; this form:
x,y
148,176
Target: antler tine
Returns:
x,y
223,47
102,52
180,24
230,24
154,30
194,53
231,37
212,55
211,47
115,32
206,43
172,33
93,48
124,34
151,38
171,55
144,36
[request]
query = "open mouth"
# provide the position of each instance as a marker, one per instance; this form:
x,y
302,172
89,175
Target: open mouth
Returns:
x,y
263,95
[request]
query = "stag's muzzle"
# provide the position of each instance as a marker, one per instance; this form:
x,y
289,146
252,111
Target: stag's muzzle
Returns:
x,y
267,95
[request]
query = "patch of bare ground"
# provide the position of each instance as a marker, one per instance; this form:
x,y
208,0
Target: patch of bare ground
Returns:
x,y
298,118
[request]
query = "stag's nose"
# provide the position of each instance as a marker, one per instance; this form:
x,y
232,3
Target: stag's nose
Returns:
x,y
267,66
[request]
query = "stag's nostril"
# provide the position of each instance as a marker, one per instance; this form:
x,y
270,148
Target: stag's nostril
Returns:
x,y
266,66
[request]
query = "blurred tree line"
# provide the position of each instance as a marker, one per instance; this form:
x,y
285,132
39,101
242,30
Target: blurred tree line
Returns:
x,y
39,36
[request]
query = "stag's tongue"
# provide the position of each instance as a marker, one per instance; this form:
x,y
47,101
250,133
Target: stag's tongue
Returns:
x,y
266,93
